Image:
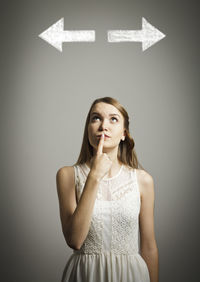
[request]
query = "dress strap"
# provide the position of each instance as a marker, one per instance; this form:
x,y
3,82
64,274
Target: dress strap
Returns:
x,y
75,174
76,180
136,184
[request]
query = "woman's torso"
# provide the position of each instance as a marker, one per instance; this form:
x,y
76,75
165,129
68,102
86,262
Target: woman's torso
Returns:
x,y
115,219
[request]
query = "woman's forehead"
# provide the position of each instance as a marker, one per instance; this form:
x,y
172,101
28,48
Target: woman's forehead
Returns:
x,y
105,109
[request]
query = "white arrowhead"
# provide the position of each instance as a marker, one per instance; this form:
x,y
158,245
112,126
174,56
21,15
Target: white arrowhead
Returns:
x,y
150,35
53,34
56,35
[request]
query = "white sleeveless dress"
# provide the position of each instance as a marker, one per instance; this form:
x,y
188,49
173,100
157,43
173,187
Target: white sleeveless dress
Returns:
x,y
110,252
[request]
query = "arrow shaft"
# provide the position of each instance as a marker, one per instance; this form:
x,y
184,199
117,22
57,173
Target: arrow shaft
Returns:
x,y
74,35
125,35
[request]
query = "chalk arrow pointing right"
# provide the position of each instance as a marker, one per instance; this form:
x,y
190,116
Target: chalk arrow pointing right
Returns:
x,y
148,35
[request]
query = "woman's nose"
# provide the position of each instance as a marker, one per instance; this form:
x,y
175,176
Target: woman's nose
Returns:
x,y
104,124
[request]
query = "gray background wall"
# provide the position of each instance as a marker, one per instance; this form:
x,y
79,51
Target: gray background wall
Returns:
x,y
45,97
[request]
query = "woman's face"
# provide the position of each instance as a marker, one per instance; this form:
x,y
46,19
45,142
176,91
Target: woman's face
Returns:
x,y
105,118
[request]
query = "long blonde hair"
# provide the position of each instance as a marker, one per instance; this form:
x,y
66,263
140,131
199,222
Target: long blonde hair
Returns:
x,y
126,151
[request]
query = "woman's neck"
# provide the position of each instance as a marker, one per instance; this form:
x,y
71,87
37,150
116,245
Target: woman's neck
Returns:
x,y
115,167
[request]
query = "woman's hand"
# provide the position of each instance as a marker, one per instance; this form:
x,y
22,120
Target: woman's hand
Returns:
x,y
100,163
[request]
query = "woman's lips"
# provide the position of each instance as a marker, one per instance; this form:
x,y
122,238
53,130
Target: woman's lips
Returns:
x,y
105,136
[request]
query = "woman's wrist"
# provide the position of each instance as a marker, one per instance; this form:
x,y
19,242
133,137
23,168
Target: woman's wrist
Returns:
x,y
94,176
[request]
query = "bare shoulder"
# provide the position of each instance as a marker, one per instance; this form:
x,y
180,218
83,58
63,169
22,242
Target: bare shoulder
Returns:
x,y
145,182
65,175
65,170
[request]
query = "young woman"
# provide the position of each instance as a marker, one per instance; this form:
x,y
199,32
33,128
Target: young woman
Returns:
x,y
107,204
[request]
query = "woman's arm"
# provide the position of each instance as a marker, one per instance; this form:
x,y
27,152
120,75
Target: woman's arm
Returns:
x,y
75,218
148,247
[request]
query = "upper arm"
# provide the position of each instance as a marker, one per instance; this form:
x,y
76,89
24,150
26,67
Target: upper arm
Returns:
x,y
146,217
66,195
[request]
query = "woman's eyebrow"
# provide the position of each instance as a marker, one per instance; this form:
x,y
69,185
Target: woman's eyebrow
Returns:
x,y
95,113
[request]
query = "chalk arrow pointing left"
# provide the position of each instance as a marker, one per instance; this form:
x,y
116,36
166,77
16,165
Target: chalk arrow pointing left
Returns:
x,y
56,35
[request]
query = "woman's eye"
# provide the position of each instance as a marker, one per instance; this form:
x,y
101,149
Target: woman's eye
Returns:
x,y
115,118
94,118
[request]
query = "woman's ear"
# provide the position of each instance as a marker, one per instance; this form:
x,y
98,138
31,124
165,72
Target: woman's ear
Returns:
x,y
123,137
